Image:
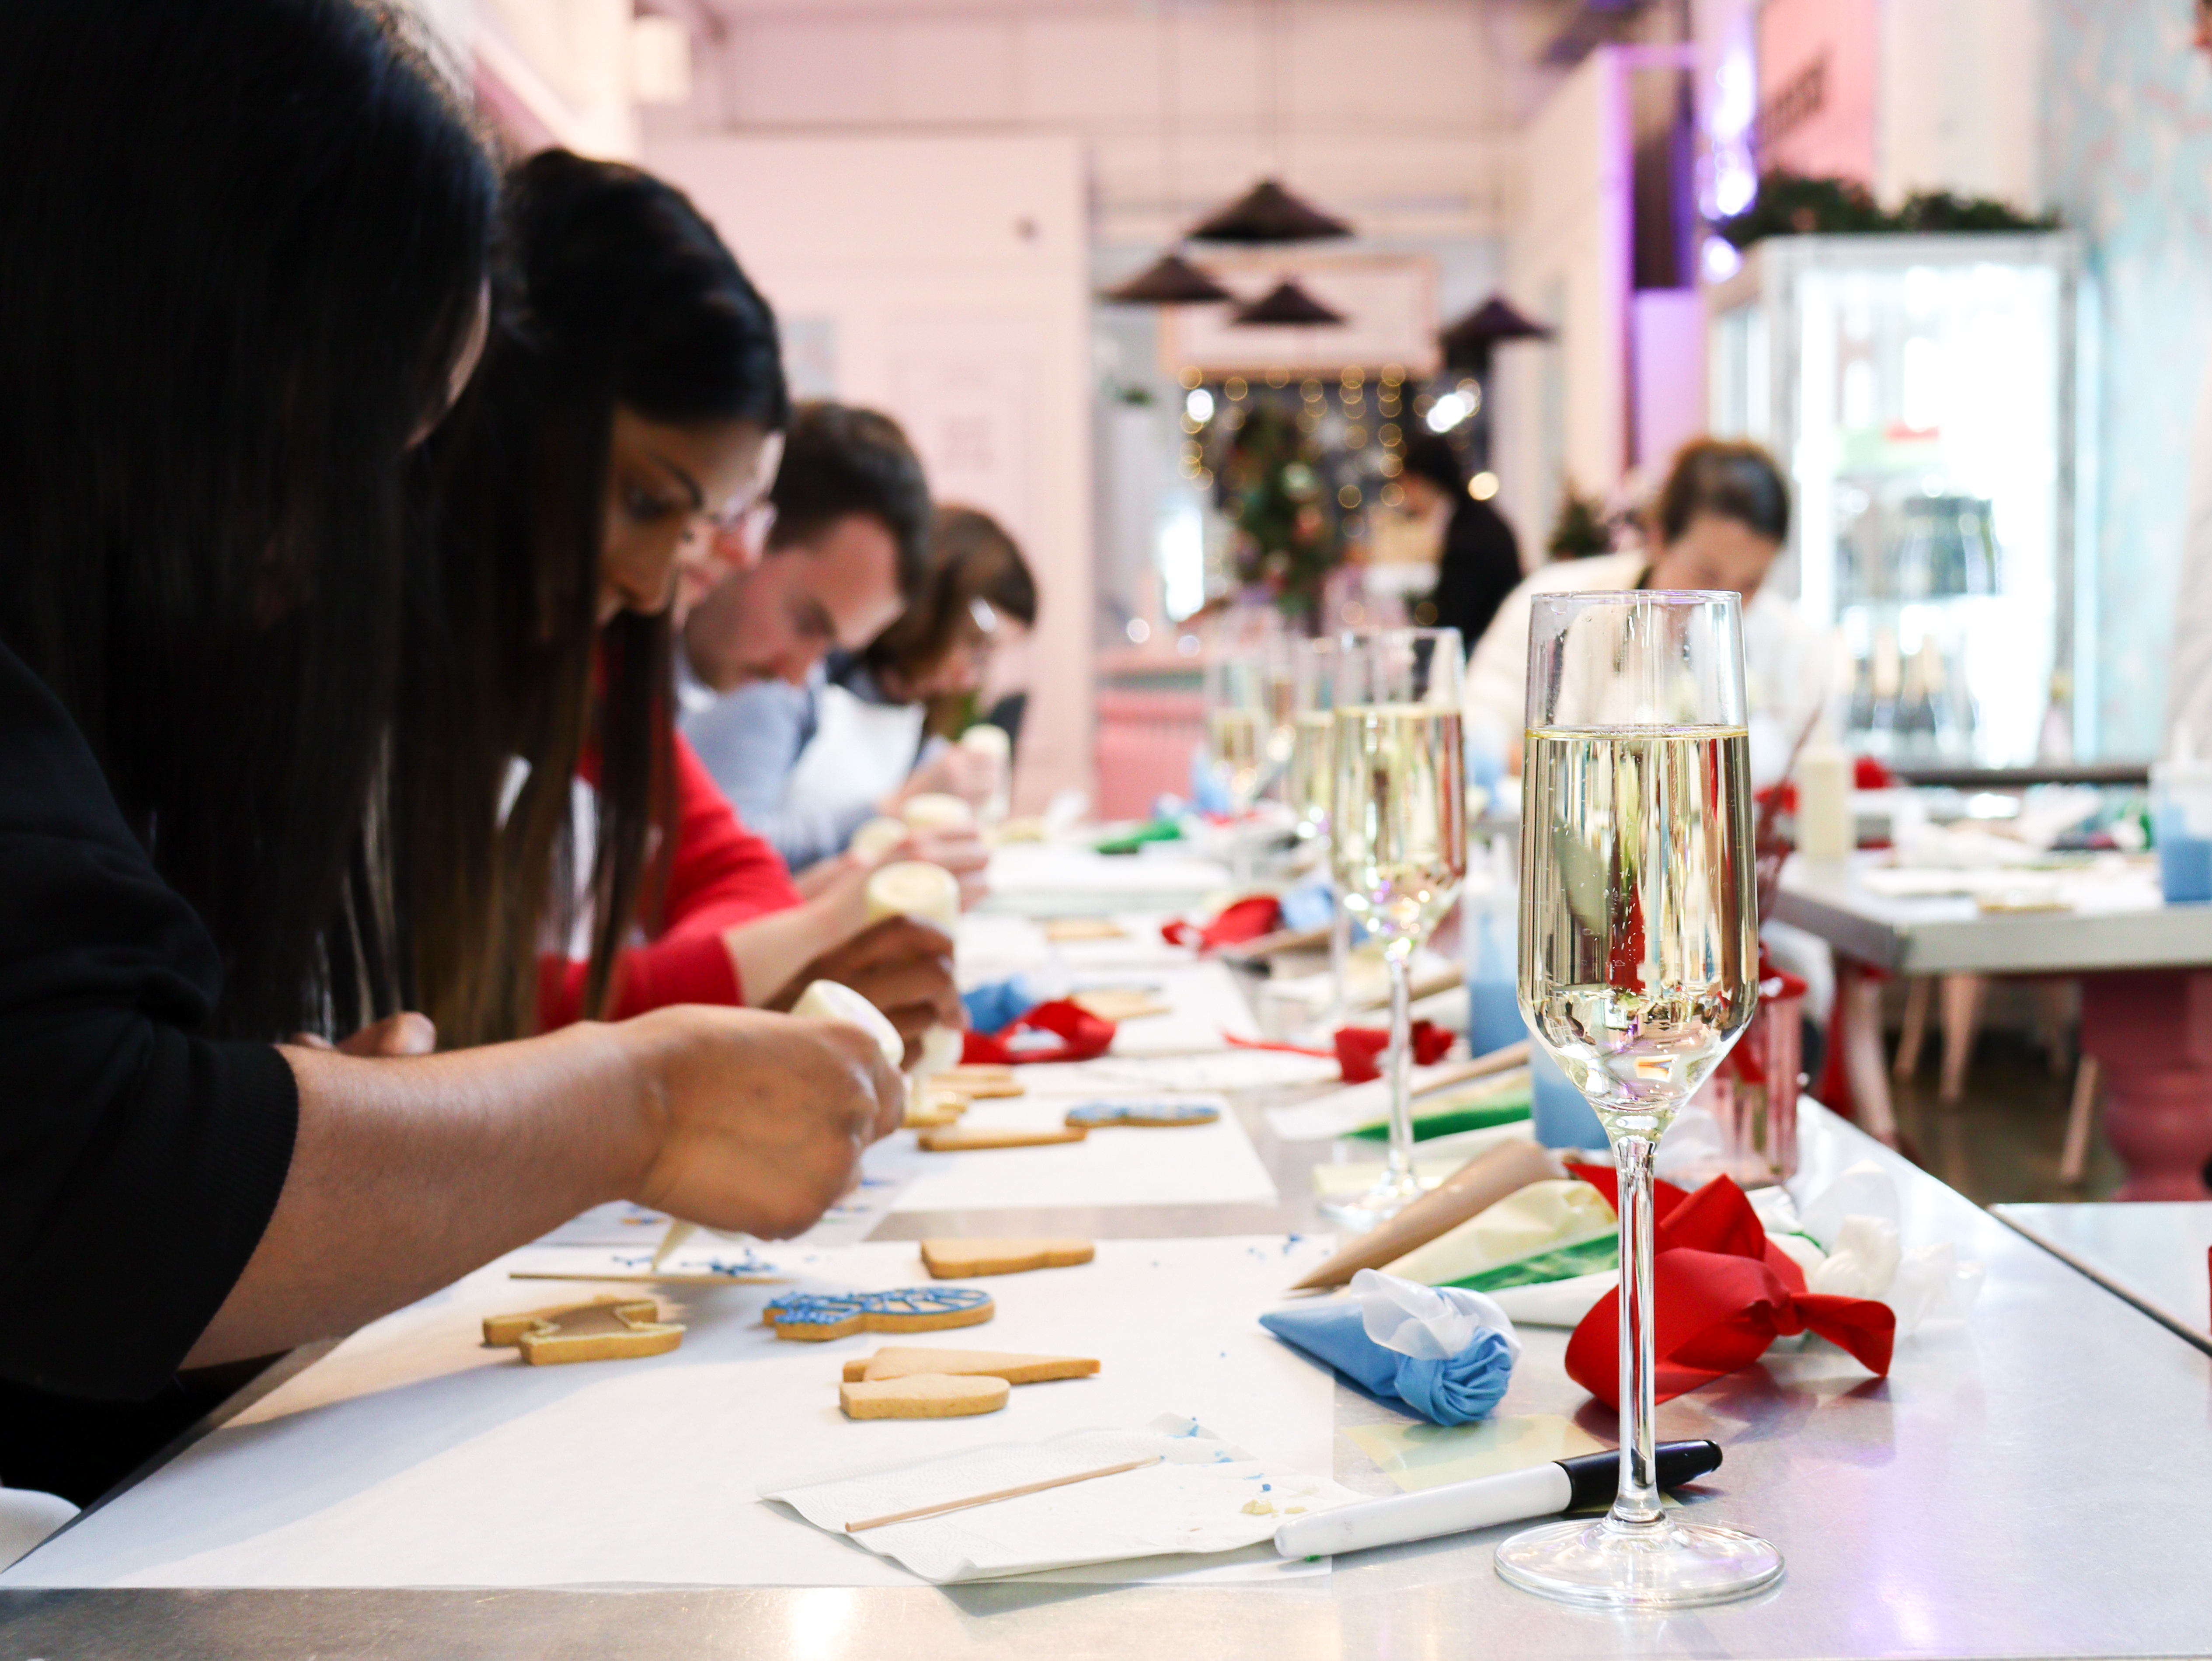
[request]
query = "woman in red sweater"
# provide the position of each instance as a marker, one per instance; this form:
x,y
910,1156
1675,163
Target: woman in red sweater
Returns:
x,y
569,855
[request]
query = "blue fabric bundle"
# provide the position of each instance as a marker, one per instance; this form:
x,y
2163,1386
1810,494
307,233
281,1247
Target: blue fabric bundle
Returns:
x,y
997,1005
1464,1358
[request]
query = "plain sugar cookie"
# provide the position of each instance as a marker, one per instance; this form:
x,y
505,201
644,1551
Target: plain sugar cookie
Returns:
x,y
967,1139
904,1360
605,1329
960,1260
923,1395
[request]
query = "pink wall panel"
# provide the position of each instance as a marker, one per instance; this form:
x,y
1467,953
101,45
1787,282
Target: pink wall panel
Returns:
x,y
1818,68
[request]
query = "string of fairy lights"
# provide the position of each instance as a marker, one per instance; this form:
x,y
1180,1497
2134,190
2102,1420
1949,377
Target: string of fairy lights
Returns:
x,y
1358,423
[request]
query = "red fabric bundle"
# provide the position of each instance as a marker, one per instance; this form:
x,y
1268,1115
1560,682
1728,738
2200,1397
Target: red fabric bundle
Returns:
x,y
1239,921
1724,1292
1082,1036
1359,1049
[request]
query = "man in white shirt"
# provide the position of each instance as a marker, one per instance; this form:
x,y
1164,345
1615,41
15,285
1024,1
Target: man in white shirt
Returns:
x,y
1719,523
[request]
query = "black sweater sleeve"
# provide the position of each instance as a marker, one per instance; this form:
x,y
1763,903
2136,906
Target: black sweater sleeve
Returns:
x,y
139,1164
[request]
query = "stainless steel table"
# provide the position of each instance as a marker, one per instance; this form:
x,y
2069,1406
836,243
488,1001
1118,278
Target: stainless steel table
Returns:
x,y
2029,1485
2153,1253
2146,1000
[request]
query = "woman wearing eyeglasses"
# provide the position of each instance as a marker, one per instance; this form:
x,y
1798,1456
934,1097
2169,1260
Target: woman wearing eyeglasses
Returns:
x,y
631,406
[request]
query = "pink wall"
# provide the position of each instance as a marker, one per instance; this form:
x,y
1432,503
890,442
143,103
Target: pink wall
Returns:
x,y
1835,44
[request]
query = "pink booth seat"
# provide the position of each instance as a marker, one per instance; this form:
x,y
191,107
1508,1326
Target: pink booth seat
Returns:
x,y
1142,748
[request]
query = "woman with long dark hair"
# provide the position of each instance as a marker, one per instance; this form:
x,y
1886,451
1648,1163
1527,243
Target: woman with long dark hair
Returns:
x,y
243,247
627,409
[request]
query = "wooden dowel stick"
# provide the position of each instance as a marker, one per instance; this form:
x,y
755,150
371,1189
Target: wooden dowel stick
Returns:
x,y
1003,1494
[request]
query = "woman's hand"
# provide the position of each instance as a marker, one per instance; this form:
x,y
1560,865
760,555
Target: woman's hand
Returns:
x,y
755,1122
959,850
902,965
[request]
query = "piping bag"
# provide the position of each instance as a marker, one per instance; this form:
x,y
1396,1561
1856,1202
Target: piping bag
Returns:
x,y
1446,1353
823,1000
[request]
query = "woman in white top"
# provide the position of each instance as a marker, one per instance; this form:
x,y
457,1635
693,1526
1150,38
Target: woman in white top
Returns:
x,y
872,746
1719,522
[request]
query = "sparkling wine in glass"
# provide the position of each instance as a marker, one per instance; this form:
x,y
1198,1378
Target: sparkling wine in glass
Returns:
x,y
1398,841
1639,967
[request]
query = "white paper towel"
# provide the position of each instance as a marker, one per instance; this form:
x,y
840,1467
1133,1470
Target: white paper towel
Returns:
x,y
1204,1495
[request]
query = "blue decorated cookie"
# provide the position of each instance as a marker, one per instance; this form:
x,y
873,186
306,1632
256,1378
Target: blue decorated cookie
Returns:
x,y
1099,1116
815,1316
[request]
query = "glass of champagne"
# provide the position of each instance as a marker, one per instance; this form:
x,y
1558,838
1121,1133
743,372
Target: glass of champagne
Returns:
x,y
1398,841
1238,723
1311,780
1639,967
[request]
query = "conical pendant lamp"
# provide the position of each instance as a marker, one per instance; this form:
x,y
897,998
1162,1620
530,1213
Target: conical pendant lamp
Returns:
x,y
1467,344
1266,214
1287,303
1171,280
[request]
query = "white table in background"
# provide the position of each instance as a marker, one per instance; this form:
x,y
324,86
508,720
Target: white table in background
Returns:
x,y
2146,972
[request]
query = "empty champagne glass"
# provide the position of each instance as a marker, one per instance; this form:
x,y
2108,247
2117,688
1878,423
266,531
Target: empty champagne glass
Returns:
x,y
1639,967
1398,841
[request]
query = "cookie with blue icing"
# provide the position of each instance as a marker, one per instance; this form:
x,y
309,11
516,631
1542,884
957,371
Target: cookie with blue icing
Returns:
x,y
814,1316
1101,1115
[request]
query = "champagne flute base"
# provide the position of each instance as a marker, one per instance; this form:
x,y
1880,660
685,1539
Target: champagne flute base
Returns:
x,y
1609,1564
1377,1205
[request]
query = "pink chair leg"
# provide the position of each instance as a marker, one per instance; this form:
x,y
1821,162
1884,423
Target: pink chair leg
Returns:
x,y
1962,1024
1862,1058
1914,1033
2151,1033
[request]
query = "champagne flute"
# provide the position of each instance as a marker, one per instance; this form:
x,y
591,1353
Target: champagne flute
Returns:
x,y
1398,841
1639,967
1311,780
1237,724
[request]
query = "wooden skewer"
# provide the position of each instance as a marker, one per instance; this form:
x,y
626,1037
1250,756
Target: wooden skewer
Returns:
x,y
1452,1074
1003,1494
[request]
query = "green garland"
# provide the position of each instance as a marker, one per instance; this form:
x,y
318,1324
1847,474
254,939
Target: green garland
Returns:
x,y
1792,204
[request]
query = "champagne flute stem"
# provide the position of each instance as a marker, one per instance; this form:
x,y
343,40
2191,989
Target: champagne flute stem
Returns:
x,y
1636,1504
1339,958
1399,957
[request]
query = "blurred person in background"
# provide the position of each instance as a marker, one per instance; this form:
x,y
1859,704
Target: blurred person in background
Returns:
x,y
846,553
1480,562
631,406
1719,522
873,746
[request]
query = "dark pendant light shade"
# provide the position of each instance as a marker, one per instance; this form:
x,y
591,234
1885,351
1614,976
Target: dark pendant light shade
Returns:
x,y
1171,280
1287,303
1466,342
1268,213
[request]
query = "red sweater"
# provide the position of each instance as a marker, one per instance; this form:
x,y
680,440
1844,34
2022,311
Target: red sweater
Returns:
x,y
721,874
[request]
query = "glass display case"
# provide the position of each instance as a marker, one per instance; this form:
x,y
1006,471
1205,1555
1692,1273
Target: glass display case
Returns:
x,y
1921,391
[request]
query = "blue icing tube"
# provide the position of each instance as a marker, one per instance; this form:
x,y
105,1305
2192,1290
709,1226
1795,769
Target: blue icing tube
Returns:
x,y
1455,1390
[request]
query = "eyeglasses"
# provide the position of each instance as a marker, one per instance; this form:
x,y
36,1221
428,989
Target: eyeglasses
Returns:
x,y
750,498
